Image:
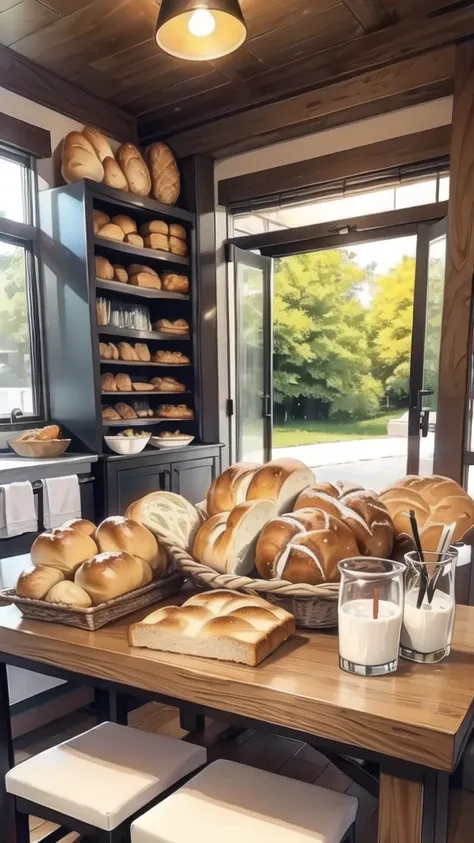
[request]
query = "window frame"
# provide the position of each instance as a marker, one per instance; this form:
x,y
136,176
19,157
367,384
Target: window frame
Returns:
x,y
26,235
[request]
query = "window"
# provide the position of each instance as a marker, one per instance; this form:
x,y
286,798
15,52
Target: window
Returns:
x,y
20,362
346,202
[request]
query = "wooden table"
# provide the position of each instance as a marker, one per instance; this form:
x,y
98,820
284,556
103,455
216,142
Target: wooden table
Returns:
x,y
415,723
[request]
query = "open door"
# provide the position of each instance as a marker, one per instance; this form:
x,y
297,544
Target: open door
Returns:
x,y
426,342
253,393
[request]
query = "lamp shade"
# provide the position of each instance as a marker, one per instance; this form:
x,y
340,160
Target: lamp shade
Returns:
x,y
200,30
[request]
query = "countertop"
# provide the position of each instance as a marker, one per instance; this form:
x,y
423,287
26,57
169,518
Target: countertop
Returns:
x,y
13,468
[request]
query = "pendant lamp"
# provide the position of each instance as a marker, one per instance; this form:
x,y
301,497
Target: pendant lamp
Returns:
x,y
200,30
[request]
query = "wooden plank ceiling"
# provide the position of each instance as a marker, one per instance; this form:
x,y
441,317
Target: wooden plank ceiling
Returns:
x,y
106,48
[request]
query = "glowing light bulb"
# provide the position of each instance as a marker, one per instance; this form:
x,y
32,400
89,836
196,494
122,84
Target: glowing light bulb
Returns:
x,y
202,23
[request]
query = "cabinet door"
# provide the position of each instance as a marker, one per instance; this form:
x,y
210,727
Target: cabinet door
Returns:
x,y
192,478
133,483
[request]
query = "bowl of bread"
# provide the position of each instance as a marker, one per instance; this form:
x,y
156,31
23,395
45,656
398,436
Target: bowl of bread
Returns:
x,y
128,442
86,576
41,443
274,531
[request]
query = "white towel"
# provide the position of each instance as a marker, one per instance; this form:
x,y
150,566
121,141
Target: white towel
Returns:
x,y
17,510
61,500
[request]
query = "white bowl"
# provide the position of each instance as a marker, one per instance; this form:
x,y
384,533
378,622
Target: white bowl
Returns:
x,y
175,442
127,445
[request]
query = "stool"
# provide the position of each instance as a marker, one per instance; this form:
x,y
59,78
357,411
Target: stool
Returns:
x,y
233,802
97,782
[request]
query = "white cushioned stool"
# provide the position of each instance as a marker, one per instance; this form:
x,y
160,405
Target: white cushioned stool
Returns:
x,y
101,778
233,802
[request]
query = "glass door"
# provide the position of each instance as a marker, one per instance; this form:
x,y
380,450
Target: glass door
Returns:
x,y
427,325
253,307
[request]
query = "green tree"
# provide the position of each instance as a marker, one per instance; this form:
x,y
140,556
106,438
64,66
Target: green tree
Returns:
x,y
320,334
14,330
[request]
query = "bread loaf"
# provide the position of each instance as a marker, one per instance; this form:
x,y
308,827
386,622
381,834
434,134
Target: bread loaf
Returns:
x,y
109,414
123,382
37,581
64,549
70,594
113,176
304,547
114,350
120,274
157,241
100,218
164,174
107,381
81,525
105,352
125,411
230,488
142,386
111,232
127,352
167,326
144,279
217,624
134,168
143,352
134,240
99,142
226,542
169,514
154,227
127,225
177,230
117,533
108,575
103,268
436,501
135,268
177,246
175,283
80,160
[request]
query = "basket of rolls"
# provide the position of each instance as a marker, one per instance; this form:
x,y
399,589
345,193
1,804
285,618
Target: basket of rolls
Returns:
x,y
87,576
273,531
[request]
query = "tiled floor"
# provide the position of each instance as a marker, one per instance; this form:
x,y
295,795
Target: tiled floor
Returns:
x,y
269,752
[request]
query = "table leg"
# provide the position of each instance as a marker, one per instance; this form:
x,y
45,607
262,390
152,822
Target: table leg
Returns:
x,y
191,721
13,825
411,810
111,706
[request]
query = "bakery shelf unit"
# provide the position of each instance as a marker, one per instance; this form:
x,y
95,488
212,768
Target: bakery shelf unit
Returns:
x,y
73,334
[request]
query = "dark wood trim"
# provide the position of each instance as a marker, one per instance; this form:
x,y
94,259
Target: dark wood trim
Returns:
x,y
387,219
25,136
23,77
336,241
404,84
371,14
303,175
457,316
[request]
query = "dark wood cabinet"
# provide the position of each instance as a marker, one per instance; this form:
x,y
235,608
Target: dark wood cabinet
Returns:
x,y
186,471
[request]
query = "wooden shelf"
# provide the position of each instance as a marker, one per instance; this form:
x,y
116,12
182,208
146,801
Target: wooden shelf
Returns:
x,y
140,335
138,422
137,251
144,363
149,393
138,292
141,203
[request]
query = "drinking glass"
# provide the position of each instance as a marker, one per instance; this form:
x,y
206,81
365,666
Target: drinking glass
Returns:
x,y
428,615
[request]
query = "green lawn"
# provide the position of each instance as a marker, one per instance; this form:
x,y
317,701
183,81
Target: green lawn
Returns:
x,y
311,432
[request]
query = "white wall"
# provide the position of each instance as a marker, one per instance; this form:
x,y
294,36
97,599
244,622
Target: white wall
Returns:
x,y
57,124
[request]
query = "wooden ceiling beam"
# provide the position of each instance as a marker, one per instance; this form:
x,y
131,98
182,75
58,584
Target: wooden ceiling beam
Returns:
x,y
371,14
23,77
406,83
396,152
406,39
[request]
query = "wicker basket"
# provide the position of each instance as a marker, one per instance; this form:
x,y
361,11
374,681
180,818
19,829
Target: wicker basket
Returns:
x,y
314,606
92,619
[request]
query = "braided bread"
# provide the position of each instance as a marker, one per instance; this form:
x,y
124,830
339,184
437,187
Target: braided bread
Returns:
x,y
217,625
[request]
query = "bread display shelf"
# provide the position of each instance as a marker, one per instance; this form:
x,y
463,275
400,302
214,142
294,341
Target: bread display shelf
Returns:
x,y
97,616
149,254
141,422
148,393
139,292
139,335
121,198
145,363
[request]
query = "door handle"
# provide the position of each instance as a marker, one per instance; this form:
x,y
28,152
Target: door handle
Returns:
x,y
424,423
266,406
423,393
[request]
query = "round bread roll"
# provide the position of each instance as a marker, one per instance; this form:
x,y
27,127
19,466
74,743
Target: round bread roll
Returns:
x,y
230,488
134,168
108,575
280,481
127,225
69,593
100,219
80,160
169,514
36,582
63,548
103,268
304,547
226,542
99,142
113,176
81,525
436,501
118,533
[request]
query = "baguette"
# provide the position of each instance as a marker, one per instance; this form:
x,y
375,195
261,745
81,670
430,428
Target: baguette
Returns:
x,y
164,174
113,176
134,168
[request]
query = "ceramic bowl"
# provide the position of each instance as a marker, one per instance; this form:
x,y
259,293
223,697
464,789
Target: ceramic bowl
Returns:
x,y
127,445
37,449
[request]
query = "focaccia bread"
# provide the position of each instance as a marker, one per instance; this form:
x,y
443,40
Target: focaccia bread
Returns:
x,y
216,624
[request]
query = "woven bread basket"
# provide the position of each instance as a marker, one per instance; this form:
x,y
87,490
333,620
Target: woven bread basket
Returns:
x,y
314,606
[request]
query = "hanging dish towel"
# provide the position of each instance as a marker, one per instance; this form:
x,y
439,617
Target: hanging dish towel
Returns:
x,y
17,510
61,500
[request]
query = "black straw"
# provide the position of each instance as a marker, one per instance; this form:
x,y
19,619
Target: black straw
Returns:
x,y
423,570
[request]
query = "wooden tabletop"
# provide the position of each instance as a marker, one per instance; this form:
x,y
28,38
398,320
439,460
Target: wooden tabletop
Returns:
x,y
418,714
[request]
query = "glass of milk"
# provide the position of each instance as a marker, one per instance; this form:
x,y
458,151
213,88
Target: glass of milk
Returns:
x,y
427,630
370,615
